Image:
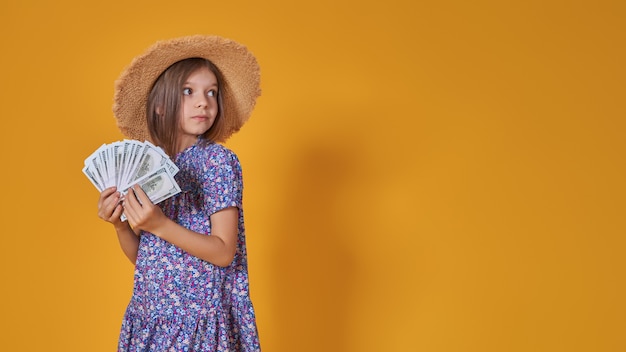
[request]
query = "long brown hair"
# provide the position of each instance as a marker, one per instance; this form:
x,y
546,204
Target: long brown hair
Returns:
x,y
163,109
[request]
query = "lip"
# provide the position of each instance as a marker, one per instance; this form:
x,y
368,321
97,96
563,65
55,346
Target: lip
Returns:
x,y
200,117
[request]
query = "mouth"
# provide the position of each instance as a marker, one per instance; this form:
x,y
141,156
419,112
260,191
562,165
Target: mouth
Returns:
x,y
200,117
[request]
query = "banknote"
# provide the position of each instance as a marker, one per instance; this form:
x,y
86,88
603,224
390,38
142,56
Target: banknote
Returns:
x,y
150,159
126,163
158,185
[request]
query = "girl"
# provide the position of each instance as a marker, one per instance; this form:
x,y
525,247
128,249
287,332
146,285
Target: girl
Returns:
x,y
191,279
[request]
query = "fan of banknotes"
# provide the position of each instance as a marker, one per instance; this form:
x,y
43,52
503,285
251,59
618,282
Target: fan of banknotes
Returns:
x,y
126,163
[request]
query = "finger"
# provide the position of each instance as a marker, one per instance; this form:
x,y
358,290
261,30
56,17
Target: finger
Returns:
x,y
132,208
117,212
129,212
141,195
131,199
110,202
105,194
133,218
108,206
108,191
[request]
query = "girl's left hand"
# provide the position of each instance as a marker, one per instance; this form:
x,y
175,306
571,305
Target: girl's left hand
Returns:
x,y
141,213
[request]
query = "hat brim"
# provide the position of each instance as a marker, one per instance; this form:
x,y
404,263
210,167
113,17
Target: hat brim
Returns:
x,y
238,66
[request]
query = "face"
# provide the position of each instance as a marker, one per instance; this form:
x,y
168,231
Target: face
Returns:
x,y
199,106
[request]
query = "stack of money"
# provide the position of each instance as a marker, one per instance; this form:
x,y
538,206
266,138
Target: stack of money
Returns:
x,y
126,163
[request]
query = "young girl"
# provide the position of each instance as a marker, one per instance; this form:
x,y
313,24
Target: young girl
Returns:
x,y
191,278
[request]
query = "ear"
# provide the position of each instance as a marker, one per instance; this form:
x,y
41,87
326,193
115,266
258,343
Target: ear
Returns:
x,y
159,110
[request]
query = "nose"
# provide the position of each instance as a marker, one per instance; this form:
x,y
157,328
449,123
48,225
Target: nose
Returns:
x,y
202,102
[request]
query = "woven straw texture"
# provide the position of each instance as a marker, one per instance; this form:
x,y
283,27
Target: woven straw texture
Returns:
x,y
238,66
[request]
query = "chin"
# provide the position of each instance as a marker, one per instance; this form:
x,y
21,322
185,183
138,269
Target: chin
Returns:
x,y
201,132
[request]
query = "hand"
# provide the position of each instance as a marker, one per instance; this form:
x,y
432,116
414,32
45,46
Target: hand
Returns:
x,y
109,207
141,213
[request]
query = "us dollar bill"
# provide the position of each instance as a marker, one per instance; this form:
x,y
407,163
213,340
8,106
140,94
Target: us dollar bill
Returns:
x,y
129,162
151,159
158,186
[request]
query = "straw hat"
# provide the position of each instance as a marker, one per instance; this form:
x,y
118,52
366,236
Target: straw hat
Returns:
x,y
238,66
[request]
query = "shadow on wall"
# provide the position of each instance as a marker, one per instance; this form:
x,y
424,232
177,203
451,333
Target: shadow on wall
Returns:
x,y
315,261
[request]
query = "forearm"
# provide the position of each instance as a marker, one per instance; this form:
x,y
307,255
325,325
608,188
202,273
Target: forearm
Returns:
x,y
129,241
212,249
218,248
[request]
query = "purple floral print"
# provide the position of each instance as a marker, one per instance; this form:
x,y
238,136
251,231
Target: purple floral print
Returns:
x,y
181,302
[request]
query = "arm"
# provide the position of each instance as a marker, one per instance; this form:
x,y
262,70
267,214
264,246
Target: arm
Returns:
x,y
219,248
110,210
129,241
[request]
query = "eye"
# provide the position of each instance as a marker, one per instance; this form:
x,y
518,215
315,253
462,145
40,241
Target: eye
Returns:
x,y
212,93
187,91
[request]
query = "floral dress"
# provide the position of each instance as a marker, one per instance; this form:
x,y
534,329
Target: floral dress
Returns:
x,y
181,302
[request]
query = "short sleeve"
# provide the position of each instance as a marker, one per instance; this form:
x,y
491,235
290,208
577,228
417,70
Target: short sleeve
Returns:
x,y
223,186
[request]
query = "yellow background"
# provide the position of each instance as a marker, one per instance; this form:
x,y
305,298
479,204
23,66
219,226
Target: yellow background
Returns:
x,y
420,175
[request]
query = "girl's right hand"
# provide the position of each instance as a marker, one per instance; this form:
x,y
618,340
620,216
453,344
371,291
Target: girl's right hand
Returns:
x,y
109,206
